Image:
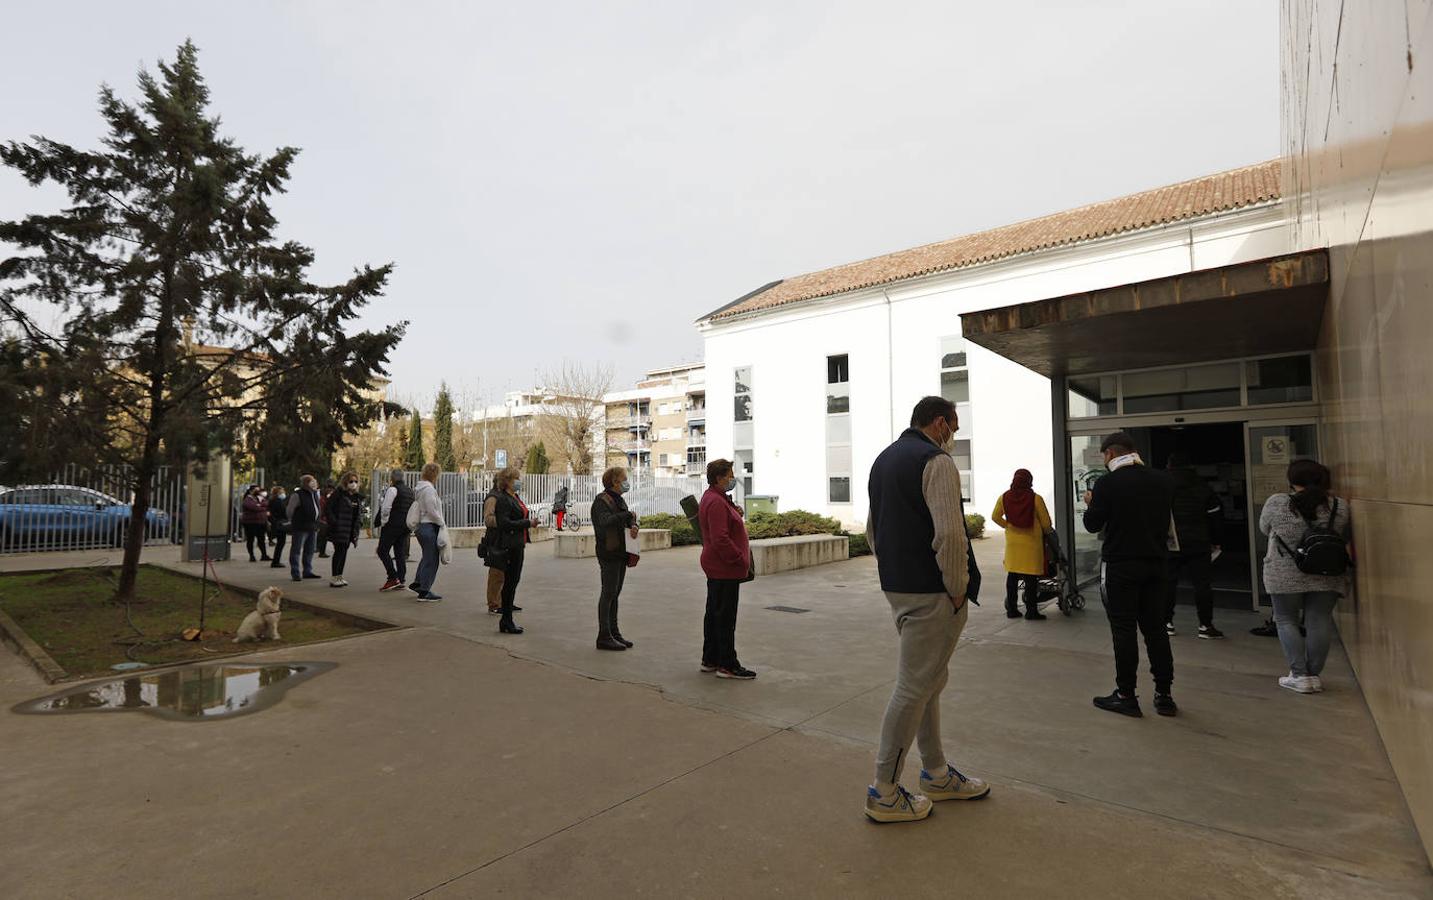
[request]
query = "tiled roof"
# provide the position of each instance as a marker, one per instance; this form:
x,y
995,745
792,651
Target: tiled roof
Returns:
x,y
1185,200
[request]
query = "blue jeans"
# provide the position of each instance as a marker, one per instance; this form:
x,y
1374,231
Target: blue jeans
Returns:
x,y
427,534
304,543
1306,657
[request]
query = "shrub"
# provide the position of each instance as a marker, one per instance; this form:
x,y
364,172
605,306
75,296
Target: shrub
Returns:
x,y
785,524
682,532
859,546
975,525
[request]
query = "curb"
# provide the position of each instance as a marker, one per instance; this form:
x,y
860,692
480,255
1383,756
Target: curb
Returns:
x,y
13,634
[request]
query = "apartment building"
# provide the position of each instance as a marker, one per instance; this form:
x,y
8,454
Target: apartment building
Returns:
x,y
659,426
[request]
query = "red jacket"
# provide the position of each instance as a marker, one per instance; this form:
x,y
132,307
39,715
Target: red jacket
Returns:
x,y
725,551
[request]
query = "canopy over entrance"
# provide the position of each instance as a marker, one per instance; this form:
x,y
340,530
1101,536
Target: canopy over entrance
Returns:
x,y
1246,309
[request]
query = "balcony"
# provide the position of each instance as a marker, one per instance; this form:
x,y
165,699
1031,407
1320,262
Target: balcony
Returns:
x,y
696,414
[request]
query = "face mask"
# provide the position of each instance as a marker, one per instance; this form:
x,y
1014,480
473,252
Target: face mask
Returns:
x,y
949,444
729,486
626,486
280,495
517,487
353,486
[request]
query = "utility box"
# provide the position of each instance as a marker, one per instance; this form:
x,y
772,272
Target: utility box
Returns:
x,y
208,505
763,503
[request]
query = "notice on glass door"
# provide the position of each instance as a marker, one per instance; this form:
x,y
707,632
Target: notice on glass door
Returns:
x,y
1275,449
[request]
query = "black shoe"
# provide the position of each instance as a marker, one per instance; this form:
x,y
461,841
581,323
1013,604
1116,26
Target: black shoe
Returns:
x,y
414,587
510,628
1124,704
516,608
739,672
1268,629
276,565
1164,705
609,643
313,576
296,578
1012,613
621,640
263,558
323,556
251,559
1209,633
1035,615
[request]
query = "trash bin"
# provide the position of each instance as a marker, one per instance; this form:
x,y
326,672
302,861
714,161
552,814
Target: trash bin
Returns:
x,y
764,503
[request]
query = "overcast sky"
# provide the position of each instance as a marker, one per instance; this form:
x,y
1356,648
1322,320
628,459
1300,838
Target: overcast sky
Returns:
x,y
583,180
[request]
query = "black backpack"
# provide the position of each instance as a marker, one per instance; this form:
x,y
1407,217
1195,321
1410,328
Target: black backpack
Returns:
x,y
1322,550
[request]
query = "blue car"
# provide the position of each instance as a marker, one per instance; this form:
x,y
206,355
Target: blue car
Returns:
x,y
62,517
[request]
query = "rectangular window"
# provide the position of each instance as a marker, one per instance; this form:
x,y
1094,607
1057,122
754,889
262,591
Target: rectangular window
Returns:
x,y
838,428
955,386
743,394
955,382
1095,395
1284,379
962,456
1173,390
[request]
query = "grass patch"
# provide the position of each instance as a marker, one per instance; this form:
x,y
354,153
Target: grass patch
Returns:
x,y
71,615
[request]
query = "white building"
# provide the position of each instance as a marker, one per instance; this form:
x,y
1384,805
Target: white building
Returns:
x,y
811,377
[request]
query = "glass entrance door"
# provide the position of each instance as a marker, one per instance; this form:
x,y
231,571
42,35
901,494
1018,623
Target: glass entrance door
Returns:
x,y
1086,467
1270,448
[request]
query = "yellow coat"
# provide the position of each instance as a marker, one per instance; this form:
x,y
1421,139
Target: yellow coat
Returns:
x,y
1024,547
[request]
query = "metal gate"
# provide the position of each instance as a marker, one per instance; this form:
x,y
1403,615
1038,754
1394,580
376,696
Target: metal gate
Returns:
x,y
86,508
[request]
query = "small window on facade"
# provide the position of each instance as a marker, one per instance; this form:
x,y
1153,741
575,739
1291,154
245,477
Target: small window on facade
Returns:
x,y
841,489
743,394
1283,379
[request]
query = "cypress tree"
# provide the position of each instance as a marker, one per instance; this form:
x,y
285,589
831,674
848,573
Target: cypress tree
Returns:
x,y
414,457
443,430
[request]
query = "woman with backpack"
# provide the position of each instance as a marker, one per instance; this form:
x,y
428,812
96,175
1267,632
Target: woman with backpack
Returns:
x,y
1305,569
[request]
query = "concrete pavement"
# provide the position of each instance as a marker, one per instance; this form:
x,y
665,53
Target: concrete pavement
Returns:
x,y
452,759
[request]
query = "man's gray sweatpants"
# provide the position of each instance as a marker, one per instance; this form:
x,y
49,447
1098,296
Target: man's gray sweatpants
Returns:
x,y
929,628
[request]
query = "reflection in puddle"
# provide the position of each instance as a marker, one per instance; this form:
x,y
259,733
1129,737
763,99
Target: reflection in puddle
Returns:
x,y
191,693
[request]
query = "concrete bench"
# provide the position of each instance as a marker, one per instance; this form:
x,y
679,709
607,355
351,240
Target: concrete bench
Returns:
x,y
787,554
468,538
583,544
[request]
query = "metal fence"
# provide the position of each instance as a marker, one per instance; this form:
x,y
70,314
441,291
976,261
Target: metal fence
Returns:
x,y
82,508
462,493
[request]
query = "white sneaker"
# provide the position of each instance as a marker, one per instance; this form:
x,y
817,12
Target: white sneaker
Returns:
x,y
338,582
951,785
1297,683
902,806
1314,683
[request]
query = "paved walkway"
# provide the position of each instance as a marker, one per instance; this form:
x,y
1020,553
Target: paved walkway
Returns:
x,y
449,760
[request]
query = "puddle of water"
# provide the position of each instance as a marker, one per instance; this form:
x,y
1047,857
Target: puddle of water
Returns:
x,y
188,694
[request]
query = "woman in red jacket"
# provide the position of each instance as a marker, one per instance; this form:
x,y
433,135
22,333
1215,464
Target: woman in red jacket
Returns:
x,y
726,560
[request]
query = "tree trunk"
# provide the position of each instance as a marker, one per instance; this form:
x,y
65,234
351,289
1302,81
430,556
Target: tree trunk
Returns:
x,y
134,534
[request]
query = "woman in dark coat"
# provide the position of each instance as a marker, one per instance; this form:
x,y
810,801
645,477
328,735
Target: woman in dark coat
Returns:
x,y
513,523
612,521
278,523
255,518
344,512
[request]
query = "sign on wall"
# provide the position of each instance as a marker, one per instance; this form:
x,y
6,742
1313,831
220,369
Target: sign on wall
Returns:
x,y
501,459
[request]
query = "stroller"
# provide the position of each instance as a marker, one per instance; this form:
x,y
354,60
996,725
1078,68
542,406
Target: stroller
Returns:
x,y
1059,580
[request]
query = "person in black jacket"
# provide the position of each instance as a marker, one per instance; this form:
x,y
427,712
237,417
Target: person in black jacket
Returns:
x,y
1132,506
278,523
612,521
344,512
304,510
393,531
1198,519
513,521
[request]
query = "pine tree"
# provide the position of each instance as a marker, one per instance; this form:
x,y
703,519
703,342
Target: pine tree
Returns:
x,y
537,462
414,458
443,430
161,313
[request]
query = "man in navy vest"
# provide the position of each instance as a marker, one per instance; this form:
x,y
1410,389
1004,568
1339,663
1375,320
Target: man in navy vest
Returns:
x,y
917,530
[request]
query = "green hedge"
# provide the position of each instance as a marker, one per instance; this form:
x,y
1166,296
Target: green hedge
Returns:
x,y
786,524
859,546
975,525
682,531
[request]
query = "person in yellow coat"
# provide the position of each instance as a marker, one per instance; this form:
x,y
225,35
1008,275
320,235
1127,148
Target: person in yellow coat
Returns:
x,y
1022,514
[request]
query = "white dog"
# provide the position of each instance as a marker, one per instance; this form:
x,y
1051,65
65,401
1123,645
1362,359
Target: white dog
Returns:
x,y
263,622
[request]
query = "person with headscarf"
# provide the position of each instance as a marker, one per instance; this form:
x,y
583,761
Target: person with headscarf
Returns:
x,y
1022,513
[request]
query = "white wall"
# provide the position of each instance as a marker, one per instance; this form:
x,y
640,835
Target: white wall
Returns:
x,y
893,337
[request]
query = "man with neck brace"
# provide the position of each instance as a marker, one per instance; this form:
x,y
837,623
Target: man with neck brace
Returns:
x,y
1133,507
